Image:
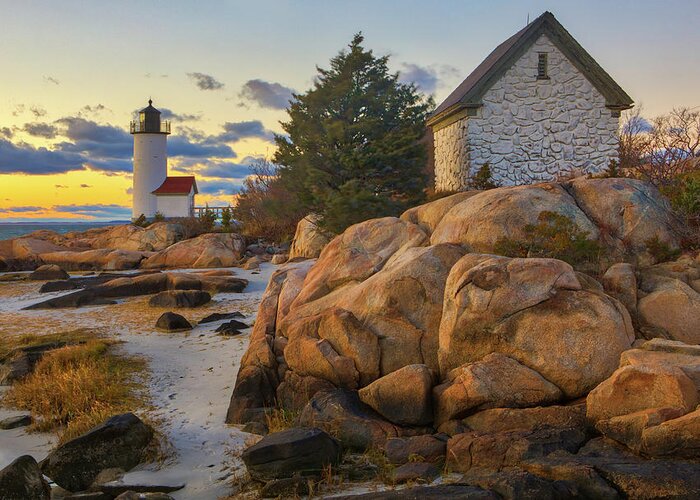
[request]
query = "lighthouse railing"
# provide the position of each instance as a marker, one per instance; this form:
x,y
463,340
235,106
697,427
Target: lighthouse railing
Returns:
x,y
137,127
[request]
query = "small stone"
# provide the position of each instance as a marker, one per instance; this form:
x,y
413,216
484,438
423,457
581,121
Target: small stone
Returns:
x,y
49,272
14,422
219,316
172,322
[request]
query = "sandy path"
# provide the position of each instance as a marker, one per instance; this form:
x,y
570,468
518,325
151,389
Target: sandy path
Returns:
x,y
191,379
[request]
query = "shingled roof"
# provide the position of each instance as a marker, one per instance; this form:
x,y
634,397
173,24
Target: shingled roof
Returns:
x,y
177,185
469,93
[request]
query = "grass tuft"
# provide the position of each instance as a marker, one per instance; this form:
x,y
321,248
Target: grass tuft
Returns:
x,y
280,419
77,387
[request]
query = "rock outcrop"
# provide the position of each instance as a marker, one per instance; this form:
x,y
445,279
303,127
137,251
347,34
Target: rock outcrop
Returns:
x,y
207,250
22,479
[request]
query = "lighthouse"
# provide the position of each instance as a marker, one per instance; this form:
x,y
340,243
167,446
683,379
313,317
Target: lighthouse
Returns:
x,y
150,159
153,190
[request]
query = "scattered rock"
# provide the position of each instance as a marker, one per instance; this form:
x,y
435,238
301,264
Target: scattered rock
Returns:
x,y
48,272
120,441
15,422
280,258
403,396
457,491
22,480
297,451
172,322
234,324
115,488
180,298
219,316
512,483
420,472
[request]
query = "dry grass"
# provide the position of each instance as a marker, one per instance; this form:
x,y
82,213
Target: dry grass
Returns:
x,y
280,419
9,343
75,388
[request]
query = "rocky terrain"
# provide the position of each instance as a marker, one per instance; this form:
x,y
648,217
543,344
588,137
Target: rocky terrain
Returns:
x,y
403,358
528,378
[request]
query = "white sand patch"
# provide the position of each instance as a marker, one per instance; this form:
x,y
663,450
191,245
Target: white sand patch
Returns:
x,y
192,377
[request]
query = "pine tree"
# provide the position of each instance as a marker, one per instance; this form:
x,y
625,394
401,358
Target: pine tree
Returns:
x,y
352,149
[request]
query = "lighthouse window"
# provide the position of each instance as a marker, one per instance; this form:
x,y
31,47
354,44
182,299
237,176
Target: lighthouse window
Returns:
x,y
542,66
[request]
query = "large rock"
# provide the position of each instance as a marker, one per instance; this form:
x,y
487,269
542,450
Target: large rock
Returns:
x,y
429,215
30,248
309,239
296,451
49,272
631,211
528,419
536,312
403,397
207,250
22,480
118,442
180,298
426,447
481,220
672,310
620,282
352,422
494,382
90,260
157,236
172,322
361,251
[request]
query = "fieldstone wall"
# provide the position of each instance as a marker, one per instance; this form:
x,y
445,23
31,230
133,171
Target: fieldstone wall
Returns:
x,y
531,130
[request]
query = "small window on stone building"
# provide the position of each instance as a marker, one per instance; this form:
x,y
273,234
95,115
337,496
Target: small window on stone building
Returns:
x,y
542,66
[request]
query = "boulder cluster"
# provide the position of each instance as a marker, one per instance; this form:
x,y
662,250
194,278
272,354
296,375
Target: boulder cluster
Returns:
x,y
525,374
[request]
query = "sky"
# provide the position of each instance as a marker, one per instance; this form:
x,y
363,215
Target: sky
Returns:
x,y
73,73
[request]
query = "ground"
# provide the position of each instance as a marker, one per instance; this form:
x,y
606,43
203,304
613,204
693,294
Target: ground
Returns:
x,y
190,381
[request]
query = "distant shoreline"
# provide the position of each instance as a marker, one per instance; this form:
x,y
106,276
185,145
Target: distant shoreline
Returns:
x,y
10,230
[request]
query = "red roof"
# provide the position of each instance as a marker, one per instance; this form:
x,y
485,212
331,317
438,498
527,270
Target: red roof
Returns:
x,y
177,185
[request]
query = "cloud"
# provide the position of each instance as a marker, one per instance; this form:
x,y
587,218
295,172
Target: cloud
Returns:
x,y
91,110
51,79
96,211
167,114
37,111
218,188
235,131
205,82
60,186
85,186
227,170
182,146
37,129
266,94
20,209
19,109
25,159
6,132
426,79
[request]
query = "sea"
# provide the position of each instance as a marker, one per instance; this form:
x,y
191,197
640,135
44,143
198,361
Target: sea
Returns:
x,y
14,229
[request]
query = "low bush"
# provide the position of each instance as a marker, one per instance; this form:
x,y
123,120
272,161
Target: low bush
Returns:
x,y
554,236
75,388
483,180
660,250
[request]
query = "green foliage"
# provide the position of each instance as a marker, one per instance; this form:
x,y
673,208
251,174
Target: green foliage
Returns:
x,y
158,217
226,217
554,236
483,179
613,170
352,142
207,218
660,250
141,221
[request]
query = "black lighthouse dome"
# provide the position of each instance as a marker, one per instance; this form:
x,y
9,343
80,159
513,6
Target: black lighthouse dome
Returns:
x,y
149,122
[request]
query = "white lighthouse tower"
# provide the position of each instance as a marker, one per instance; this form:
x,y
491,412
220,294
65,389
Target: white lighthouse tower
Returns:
x,y
150,159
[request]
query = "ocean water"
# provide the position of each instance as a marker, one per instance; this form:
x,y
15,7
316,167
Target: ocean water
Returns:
x,y
14,229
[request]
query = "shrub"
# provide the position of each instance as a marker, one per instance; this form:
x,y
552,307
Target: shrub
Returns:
x,y
207,219
265,208
158,217
483,179
660,250
554,236
141,221
226,217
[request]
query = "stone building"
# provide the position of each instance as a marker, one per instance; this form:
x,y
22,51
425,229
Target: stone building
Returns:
x,y
537,106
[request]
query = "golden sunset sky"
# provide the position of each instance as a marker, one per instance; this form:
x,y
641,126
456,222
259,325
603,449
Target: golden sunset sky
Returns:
x,y
74,72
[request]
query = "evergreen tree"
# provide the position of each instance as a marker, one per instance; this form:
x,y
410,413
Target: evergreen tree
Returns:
x,y
353,150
